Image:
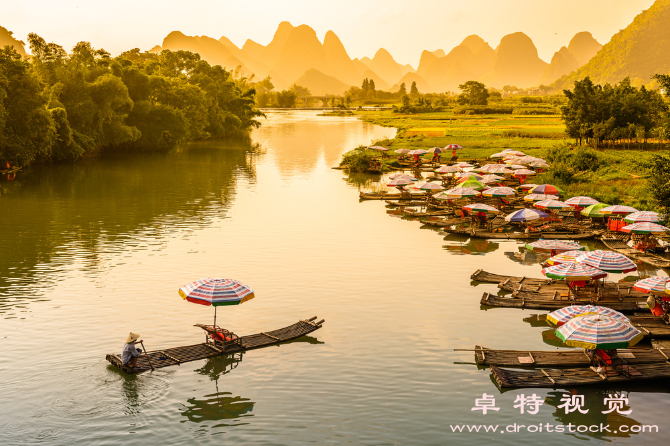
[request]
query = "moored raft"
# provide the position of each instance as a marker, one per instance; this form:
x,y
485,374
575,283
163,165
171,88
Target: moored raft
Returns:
x,y
177,355
482,233
540,302
561,358
615,244
484,276
581,376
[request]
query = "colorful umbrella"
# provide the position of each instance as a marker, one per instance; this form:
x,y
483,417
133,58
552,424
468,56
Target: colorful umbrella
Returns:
x,y
609,261
458,192
216,292
565,257
597,331
486,179
433,187
498,155
403,176
464,176
645,228
447,169
436,150
417,152
516,167
480,207
539,197
560,317
463,165
642,217
399,182
523,173
473,184
499,192
593,211
618,210
546,189
581,201
402,151
379,148
453,147
544,245
573,272
652,285
551,204
530,186
525,215
514,153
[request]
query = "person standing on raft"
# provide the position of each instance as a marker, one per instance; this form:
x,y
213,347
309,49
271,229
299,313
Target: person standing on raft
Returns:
x,y
130,353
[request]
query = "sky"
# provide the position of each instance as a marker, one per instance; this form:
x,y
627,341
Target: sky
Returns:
x,y
404,27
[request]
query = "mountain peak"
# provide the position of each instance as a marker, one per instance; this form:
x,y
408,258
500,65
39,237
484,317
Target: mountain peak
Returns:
x,y
583,46
382,54
474,42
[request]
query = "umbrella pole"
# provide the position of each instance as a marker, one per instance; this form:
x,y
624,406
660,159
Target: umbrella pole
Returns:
x,y
215,317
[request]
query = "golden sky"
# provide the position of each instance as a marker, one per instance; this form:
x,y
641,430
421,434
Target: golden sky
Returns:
x,y
403,27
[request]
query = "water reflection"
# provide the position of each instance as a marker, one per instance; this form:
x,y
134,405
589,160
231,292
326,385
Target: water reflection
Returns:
x,y
526,257
474,246
594,403
67,214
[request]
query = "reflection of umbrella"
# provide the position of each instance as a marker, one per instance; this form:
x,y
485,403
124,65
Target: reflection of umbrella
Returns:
x,y
447,169
499,192
560,317
642,217
617,210
652,285
644,228
598,332
525,215
581,201
539,197
480,207
593,211
609,261
551,204
572,272
216,292
565,257
546,189
544,245
379,148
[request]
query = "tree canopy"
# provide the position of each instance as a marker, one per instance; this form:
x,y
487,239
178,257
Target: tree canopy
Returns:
x,y
64,106
473,93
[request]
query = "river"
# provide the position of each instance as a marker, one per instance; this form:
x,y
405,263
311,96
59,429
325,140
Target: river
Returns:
x,y
94,250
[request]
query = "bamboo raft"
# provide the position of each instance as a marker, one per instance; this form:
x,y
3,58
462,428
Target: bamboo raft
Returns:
x,y
542,303
577,376
484,276
481,233
178,355
616,244
562,358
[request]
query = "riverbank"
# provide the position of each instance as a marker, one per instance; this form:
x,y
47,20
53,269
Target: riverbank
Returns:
x,y
614,176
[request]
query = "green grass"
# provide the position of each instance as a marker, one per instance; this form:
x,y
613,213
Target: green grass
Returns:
x,y
620,176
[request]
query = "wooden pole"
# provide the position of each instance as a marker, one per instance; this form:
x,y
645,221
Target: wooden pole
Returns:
x,y
148,358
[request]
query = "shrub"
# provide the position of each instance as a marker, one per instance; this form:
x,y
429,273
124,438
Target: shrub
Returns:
x,y
536,111
483,110
358,159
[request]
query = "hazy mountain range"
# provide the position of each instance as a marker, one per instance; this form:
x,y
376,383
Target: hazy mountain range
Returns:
x,y
296,55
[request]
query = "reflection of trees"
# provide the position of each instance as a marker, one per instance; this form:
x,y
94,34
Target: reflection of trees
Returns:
x,y
537,320
99,206
594,402
526,257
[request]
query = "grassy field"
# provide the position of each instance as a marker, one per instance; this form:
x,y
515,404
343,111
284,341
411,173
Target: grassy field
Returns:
x,y
614,176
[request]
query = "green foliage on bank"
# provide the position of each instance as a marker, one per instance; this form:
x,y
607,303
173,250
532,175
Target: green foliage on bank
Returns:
x,y
62,106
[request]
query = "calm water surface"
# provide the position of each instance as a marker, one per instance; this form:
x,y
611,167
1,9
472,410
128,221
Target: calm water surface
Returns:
x,y
93,251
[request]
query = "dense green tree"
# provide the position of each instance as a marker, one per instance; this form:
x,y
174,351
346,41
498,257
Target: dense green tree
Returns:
x,y
286,98
413,89
366,84
473,93
659,181
403,89
371,85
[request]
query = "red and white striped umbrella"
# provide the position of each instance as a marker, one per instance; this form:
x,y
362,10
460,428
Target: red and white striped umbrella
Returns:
x,y
453,147
548,245
645,228
652,285
463,165
491,178
642,217
447,169
379,148
399,182
618,210
480,207
551,204
609,261
528,186
460,192
581,201
417,152
565,257
402,151
524,172
499,192
540,197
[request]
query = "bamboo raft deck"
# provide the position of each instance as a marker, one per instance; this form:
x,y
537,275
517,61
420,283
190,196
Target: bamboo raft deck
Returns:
x,y
481,233
484,276
562,358
541,303
582,376
178,355
616,244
